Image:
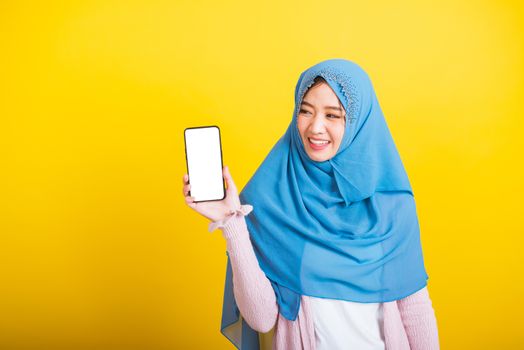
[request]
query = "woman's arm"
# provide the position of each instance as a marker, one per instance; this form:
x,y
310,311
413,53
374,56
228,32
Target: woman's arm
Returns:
x,y
253,292
419,320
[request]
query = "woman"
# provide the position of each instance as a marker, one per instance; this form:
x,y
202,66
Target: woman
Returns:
x,y
330,257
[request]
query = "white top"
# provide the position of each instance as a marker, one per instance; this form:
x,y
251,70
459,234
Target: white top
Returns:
x,y
347,325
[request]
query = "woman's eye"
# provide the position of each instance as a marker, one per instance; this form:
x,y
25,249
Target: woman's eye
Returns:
x,y
330,116
304,111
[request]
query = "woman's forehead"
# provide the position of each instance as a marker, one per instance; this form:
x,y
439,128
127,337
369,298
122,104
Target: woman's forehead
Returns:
x,y
322,96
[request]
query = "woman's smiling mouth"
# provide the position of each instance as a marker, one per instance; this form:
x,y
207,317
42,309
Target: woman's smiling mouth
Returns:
x,y
318,144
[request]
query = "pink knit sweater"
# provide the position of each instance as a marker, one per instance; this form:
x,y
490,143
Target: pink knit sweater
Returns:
x,y
409,323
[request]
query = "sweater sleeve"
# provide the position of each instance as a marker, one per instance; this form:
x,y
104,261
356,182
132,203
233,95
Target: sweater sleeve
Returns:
x,y
253,292
418,318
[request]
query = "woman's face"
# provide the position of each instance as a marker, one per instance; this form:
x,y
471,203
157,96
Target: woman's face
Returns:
x,y
321,118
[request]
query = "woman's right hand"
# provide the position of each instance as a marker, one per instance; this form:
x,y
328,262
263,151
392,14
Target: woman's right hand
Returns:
x,y
214,210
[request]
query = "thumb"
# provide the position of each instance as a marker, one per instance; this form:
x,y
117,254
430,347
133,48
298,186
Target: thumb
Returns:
x,y
229,179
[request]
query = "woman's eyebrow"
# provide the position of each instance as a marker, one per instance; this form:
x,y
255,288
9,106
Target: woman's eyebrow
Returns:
x,y
327,107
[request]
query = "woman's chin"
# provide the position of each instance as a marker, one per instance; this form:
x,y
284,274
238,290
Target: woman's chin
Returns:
x,y
319,156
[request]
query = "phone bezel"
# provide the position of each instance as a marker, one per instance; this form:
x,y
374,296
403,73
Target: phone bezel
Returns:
x,y
221,159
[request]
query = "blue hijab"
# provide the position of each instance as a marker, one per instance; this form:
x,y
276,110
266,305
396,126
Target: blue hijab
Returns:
x,y
345,228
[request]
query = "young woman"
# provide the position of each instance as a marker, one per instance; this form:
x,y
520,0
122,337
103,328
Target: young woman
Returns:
x,y
329,256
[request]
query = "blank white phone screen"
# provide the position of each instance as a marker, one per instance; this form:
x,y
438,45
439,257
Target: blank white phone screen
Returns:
x,y
204,163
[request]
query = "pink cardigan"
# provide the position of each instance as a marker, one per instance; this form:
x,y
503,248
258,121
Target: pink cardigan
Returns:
x,y
409,323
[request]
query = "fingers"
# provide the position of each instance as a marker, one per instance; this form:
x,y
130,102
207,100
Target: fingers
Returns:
x,y
190,201
187,186
185,190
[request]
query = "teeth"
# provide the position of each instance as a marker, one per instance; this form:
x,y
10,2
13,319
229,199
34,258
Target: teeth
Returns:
x,y
318,142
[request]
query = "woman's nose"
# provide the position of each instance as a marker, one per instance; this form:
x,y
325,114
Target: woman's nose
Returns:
x,y
317,124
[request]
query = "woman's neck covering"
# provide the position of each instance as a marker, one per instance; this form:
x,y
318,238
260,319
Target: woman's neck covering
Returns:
x,y
345,228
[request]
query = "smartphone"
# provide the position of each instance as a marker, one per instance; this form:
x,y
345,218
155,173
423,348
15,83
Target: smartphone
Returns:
x,y
204,163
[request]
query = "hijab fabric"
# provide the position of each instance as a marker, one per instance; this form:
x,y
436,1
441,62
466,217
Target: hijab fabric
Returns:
x,y
345,228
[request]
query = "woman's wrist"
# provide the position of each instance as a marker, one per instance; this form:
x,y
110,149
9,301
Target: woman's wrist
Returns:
x,y
242,210
232,210
226,214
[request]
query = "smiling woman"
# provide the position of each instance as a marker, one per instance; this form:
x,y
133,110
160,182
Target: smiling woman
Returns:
x,y
330,258
320,123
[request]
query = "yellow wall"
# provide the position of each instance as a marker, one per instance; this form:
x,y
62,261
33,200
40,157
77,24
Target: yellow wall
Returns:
x,y
98,249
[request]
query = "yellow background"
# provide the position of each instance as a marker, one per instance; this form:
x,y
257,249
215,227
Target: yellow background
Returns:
x,y
97,247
